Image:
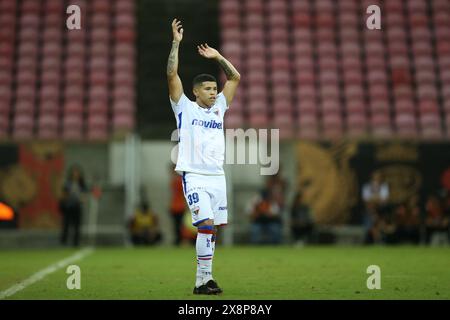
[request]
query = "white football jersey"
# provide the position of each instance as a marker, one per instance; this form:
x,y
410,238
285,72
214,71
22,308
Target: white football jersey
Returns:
x,y
201,146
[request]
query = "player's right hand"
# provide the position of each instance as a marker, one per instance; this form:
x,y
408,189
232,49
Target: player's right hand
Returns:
x,y
177,30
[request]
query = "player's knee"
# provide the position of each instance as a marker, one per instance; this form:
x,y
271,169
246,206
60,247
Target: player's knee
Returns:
x,y
208,222
206,226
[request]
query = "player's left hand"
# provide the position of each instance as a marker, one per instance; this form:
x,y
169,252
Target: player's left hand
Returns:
x,y
206,51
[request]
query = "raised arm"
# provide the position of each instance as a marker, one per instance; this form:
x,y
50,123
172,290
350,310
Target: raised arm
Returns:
x,y
174,81
233,76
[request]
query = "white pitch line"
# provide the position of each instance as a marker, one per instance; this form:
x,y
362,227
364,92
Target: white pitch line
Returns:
x,y
45,272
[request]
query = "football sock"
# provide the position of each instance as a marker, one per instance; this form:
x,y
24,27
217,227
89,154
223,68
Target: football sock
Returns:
x,y
213,243
204,250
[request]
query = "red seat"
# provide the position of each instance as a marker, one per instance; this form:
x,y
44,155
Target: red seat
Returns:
x,y
376,77
51,77
330,106
282,106
257,105
431,133
231,35
73,108
307,91
99,77
48,122
280,77
278,20
125,106
278,34
329,92
26,92
123,121
98,93
100,35
100,19
125,6
281,93
283,120
356,124
72,121
49,107
24,121
404,106
22,133
233,6
427,91
406,125
53,19
416,6
230,20
24,106
234,120
427,77
73,134
74,92
54,6
49,92
95,108
258,120
354,91
355,106
403,91
254,6
97,134
97,120
428,106
257,91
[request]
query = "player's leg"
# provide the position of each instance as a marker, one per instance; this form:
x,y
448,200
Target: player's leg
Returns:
x,y
205,283
199,202
219,209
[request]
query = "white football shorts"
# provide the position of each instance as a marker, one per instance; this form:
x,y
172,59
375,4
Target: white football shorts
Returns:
x,y
206,196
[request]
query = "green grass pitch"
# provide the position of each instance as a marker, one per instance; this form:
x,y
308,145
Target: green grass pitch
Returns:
x,y
244,273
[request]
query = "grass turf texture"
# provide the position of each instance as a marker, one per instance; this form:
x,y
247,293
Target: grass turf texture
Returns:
x,y
245,273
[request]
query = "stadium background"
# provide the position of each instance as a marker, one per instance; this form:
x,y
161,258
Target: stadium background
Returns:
x,y
348,101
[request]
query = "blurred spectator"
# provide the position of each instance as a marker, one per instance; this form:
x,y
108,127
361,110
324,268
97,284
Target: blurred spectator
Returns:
x,y
265,218
71,204
302,223
436,223
388,233
407,217
177,204
276,185
375,195
144,227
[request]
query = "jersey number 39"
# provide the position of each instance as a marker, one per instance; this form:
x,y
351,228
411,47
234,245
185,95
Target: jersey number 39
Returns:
x,y
193,198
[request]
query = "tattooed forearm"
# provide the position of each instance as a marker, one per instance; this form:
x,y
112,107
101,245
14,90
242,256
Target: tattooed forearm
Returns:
x,y
229,70
172,62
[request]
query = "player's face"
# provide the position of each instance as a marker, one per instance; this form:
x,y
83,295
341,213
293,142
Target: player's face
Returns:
x,y
206,93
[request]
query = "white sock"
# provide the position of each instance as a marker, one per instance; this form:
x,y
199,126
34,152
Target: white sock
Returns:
x,y
213,244
204,250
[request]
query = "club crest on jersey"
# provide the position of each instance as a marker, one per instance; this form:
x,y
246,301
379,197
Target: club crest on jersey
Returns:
x,y
196,210
216,112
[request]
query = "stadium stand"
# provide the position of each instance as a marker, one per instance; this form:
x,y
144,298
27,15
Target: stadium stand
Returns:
x,y
316,71
74,84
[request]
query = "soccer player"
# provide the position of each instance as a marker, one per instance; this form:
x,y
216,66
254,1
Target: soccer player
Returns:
x,y
201,150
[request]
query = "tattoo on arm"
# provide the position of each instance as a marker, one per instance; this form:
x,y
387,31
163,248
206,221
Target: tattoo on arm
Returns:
x,y
229,70
172,62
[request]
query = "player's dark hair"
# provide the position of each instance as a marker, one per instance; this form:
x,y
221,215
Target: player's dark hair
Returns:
x,y
202,78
